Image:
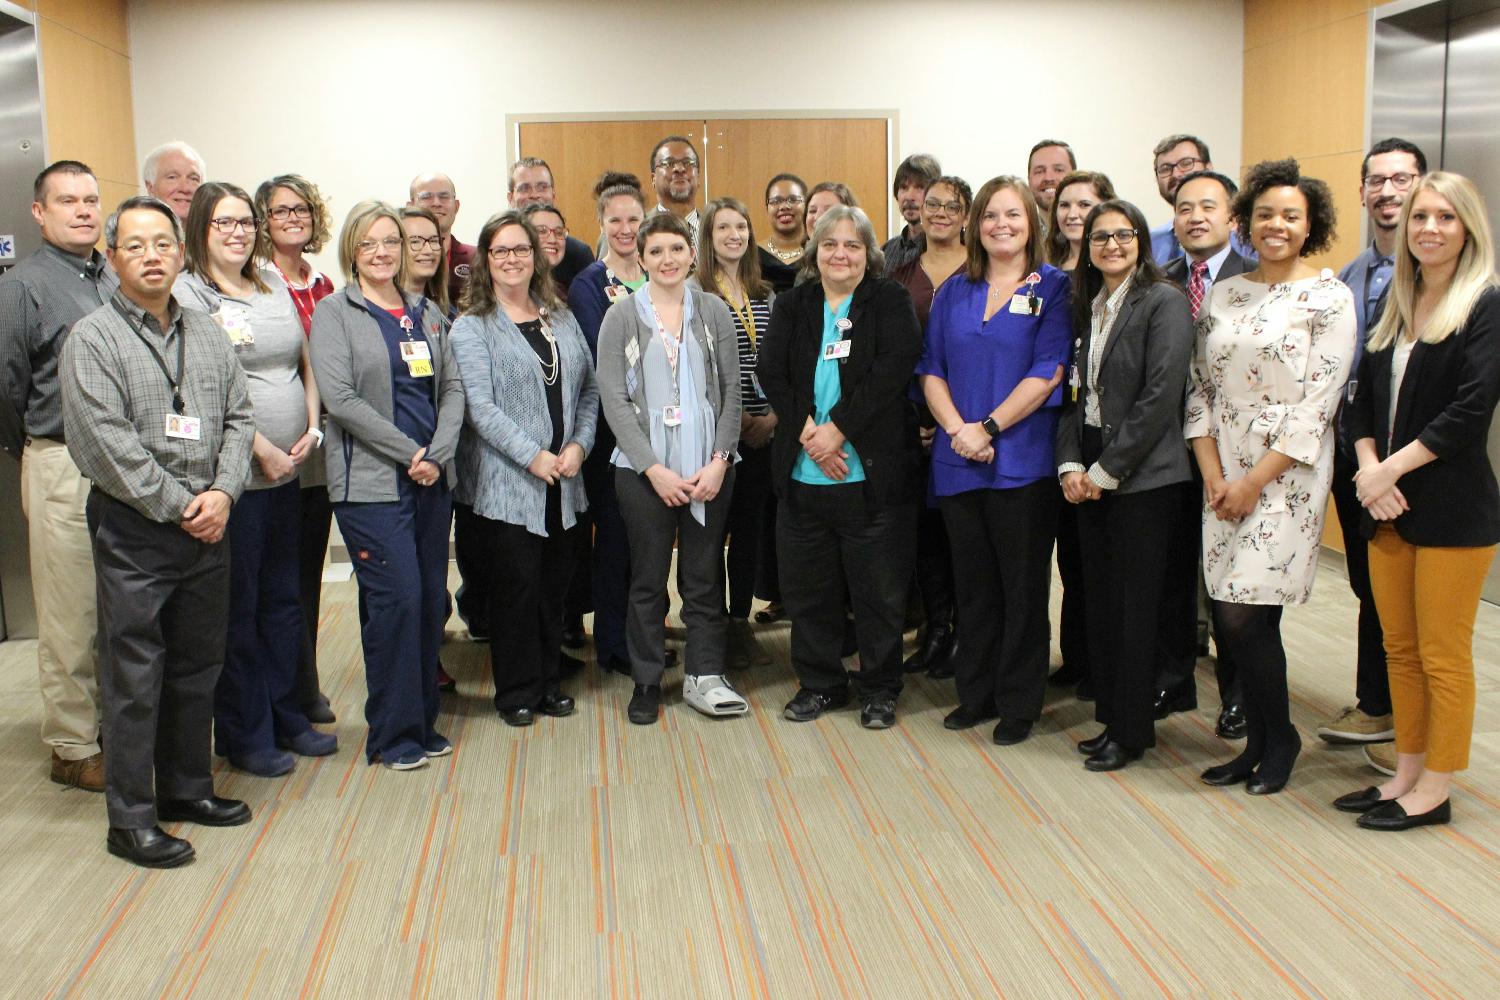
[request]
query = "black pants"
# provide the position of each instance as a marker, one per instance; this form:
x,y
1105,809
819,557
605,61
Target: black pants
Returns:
x,y
1252,635
652,527
934,568
609,567
1002,549
829,541
471,554
1122,537
317,519
747,522
1073,629
163,618
768,579
1371,687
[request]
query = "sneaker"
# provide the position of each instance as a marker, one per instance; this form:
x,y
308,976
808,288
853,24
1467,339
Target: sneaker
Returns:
x,y
310,743
87,773
645,705
409,760
878,713
807,705
437,746
1353,726
1382,757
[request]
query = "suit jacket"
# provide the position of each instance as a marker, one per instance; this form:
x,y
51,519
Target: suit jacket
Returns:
x,y
1177,268
1446,401
872,411
1141,383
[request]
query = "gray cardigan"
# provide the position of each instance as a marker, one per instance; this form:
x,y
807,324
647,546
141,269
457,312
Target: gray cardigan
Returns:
x,y
507,422
367,453
713,326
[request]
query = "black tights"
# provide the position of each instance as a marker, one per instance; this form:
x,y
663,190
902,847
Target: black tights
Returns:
x,y
1251,634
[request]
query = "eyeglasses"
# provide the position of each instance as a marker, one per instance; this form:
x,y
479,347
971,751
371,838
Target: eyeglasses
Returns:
x,y
417,243
443,196
520,251
670,163
1186,164
950,207
790,201
283,212
367,247
1401,182
162,247
227,226
1122,237
552,232
536,188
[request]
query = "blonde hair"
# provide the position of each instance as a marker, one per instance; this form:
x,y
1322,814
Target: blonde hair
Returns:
x,y
1474,275
361,217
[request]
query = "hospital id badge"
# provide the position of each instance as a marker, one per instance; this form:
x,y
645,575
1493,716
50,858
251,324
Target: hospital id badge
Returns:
x,y
1023,305
755,384
238,329
671,415
836,350
616,292
1312,301
183,428
415,350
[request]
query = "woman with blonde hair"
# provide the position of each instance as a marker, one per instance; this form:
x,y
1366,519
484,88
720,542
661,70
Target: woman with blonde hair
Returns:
x,y
1426,394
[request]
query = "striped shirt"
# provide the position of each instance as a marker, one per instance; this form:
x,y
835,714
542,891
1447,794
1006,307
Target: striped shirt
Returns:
x,y
760,314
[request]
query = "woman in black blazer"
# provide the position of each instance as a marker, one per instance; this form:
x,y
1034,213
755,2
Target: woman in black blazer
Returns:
x,y
1427,389
1121,460
835,363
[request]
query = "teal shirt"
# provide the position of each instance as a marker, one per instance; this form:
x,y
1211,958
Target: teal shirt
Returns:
x,y
826,393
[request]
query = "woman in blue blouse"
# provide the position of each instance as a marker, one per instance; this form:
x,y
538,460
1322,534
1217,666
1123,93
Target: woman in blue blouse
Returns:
x,y
997,341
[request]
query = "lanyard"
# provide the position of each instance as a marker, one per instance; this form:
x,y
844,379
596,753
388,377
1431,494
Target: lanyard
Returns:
x,y
746,315
178,405
305,299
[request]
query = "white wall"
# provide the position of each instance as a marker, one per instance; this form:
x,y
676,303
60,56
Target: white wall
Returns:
x,y
359,96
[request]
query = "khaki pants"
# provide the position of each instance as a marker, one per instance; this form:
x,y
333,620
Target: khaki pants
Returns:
x,y
53,494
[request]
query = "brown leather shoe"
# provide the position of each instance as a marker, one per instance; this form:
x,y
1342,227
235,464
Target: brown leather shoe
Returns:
x,y
87,774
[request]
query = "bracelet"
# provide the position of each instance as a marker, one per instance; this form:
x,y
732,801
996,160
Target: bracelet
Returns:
x,y
317,434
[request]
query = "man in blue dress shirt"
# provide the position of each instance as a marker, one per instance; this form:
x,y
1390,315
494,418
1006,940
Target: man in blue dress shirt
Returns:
x,y
1173,159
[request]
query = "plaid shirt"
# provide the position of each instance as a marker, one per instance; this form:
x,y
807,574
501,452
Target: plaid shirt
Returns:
x,y
116,401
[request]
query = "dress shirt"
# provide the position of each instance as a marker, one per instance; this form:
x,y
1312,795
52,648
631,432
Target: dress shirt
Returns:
x,y
1164,246
1367,277
691,219
901,250
116,400
1105,309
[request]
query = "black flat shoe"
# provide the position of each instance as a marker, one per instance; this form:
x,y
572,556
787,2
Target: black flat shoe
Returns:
x,y
1231,725
645,705
555,705
1111,757
1226,774
1093,744
1009,732
1259,784
573,635
1391,816
934,647
1183,698
151,847
770,614
212,811
520,715
964,717
1359,802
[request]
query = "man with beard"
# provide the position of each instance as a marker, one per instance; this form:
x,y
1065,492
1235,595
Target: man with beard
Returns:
x,y
1174,158
1050,161
912,177
674,174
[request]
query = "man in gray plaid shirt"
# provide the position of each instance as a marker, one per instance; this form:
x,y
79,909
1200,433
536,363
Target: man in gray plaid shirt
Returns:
x,y
157,416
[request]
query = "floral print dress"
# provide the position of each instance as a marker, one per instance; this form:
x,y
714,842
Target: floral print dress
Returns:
x,y
1268,372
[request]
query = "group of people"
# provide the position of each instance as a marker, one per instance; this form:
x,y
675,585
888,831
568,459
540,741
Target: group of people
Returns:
x,y
1024,366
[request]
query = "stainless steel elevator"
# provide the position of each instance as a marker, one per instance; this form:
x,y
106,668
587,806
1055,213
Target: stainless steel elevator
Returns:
x,y
1435,80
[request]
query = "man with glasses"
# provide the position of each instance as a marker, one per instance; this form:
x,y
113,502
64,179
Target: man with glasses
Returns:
x,y
158,417
1386,176
531,184
40,301
674,174
912,177
435,192
1174,158
1049,162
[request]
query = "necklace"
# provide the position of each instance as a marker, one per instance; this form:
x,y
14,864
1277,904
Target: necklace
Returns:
x,y
550,368
785,256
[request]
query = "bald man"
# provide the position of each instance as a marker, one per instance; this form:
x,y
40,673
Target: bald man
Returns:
x,y
435,192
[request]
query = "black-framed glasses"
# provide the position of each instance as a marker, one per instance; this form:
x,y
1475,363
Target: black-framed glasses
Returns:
x,y
1187,164
950,207
416,244
1401,182
1122,237
521,251
226,226
283,212
670,163
789,201
367,247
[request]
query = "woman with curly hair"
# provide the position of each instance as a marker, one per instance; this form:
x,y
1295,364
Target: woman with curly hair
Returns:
x,y
1272,353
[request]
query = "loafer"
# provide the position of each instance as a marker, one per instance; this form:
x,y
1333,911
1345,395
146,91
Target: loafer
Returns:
x,y
967,717
438,746
645,705
878,713
1358,802
1259,784
320,712
86,773
573,635
808,705
1093,744
518,715
310,743
149,847
1009,732
1111,757
212,811
555,705
264,763
1222,775
1183,698
1391,816
1231,724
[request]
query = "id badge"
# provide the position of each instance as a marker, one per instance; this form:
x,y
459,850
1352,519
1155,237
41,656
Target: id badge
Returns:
x,y
1021,305
1350,389
1312,301
1073,381
183,428
836,350
671,415
419,367
616,292
755,384
415,350
238,329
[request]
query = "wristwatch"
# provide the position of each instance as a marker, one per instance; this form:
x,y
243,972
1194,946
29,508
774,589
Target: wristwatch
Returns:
x,y
728,459
990,427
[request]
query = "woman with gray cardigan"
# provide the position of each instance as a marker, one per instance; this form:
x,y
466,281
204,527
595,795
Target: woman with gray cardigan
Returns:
x,y
532,406
669,387
395,405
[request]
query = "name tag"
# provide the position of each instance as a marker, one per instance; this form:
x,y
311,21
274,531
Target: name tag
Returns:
x,y
671,415
837,349
1312,301
1021,305
415,350
419,367
238,329
184,428
616,292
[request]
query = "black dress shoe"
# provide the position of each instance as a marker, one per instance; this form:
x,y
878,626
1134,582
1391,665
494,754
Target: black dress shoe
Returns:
x,y
934,646
1391,816
645,704
555,705
1227,774
519,715
965,717
573,635
1093,744
1011,731
1232,722
942,668
1359,802
151,847
1111,757
212,811
1183,698
1067,675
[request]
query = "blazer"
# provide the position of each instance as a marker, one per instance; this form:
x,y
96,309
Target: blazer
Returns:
x,y
366,452
1176,269
1446,401
872,411
506,421
1142,381
625,410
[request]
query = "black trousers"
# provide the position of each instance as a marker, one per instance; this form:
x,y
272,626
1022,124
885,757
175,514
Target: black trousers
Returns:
x,y
1002,550
1181,618
934,568
829,542
471,553
747,523
652,528
163,618
1371,687
768,578
609,556
317,520
1073,629
1122,537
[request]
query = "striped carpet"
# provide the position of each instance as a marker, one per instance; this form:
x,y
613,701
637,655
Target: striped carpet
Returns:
x,y
753,857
